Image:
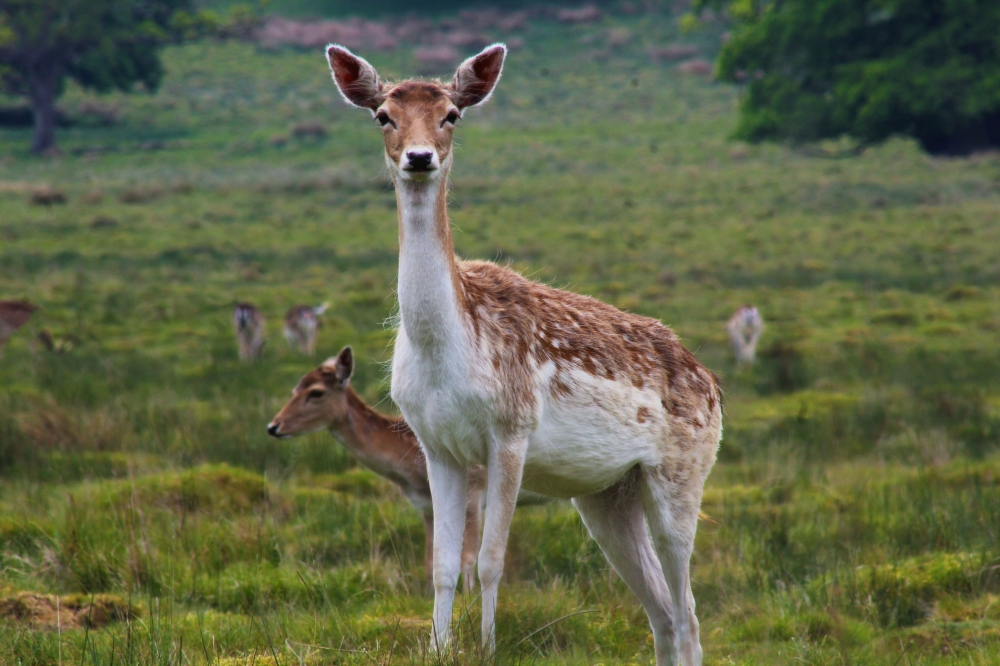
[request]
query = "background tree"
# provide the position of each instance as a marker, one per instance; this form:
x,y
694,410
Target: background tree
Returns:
x,y
929,69
102,44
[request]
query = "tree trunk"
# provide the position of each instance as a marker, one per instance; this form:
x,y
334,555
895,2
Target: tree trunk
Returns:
x,y
42,93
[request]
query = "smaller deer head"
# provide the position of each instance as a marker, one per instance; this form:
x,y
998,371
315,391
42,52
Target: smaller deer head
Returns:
x,y
319,400
417,117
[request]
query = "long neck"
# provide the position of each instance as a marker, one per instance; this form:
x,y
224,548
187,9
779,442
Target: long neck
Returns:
x,y
428,277
374,437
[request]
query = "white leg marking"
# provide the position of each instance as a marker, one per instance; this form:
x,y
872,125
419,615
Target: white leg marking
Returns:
x,y
448,488
506,465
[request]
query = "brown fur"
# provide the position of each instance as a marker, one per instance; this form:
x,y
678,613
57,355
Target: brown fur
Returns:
x,y
434,105
14,315
525,323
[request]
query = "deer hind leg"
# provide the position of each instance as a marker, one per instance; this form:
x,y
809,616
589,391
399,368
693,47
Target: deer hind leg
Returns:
x,y
506,465
448,490
614,518
671,510
429,547
470,540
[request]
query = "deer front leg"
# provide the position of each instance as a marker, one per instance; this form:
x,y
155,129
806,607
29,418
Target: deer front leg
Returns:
x,y
448,490
506,465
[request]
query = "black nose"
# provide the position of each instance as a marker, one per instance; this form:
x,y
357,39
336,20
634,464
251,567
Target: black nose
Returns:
x,y
273,429
419,161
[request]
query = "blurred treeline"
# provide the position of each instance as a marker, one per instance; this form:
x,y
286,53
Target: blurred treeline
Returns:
x,y
387,8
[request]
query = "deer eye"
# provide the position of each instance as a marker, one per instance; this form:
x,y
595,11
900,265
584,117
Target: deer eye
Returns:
x,y
315,394
383,119
452,118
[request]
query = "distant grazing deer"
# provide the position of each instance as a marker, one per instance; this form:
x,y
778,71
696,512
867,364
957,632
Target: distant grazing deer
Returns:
x,y
557,392
301,325
14,315
324,398
249,323
59,347
745,327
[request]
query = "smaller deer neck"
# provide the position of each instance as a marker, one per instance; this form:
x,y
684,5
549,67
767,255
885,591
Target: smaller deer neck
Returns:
x,y
375,438
428,288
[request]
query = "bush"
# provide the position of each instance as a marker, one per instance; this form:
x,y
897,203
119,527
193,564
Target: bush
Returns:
x,y
869,70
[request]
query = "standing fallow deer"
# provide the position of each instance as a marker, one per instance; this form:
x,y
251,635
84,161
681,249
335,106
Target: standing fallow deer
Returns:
x,y
14,315
324,398
553,391
301,326
249,323
744,328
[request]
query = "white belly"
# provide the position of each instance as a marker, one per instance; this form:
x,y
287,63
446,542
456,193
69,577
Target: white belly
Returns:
x,y
588,440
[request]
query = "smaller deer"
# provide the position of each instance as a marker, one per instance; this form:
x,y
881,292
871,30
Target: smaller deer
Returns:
x,y
745,327
301,326
14,315
249,323
324,398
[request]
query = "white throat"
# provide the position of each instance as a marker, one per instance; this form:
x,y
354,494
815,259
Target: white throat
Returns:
x,y
428,304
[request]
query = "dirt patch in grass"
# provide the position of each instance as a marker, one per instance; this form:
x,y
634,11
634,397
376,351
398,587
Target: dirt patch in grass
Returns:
x,y
49,612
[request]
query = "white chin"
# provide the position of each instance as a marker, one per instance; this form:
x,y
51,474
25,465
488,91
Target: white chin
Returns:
x,y
418,176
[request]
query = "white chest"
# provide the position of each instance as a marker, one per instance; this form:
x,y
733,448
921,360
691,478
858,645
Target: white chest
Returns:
x,y
442,400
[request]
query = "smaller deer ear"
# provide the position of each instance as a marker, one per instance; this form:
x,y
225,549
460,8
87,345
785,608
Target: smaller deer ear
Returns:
x,y
356,79
476,78
341,365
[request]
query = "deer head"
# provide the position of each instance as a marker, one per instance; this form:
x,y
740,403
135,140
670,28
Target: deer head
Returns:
x,y
417,117
319,400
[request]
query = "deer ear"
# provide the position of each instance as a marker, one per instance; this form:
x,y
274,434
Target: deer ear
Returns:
x,y
356,79
476,78
341,365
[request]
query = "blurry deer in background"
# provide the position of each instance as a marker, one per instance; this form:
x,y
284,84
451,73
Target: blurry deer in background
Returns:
x,y
301,325
745,327
324,398
249,323
60,346
14,315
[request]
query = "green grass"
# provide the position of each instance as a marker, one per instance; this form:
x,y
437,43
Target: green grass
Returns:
x,y
854,511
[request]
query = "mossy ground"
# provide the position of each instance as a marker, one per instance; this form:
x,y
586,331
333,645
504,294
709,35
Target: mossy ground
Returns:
x,y
853,515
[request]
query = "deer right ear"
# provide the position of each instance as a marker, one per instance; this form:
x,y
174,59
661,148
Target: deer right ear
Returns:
x,y
356,79
341,365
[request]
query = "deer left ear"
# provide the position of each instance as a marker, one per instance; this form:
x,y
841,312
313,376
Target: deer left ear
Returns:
x,y
341,365
476,78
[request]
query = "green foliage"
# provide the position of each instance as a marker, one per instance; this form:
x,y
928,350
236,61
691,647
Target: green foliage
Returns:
x,y
869,70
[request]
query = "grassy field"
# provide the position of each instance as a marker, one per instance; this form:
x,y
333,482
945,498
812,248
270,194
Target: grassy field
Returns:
x,y
854,512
